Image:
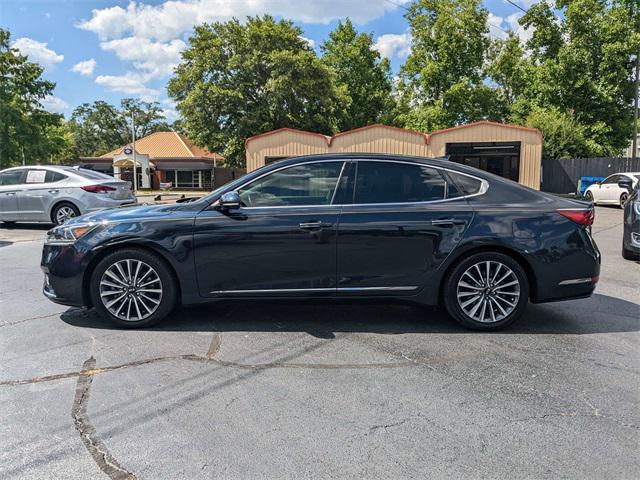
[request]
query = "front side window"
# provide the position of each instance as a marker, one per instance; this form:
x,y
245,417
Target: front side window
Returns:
x,y
13,177
391,182
611,180
300,185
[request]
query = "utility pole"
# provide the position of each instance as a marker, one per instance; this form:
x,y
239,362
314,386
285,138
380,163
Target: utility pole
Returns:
x,y
634,142
23,160
135,155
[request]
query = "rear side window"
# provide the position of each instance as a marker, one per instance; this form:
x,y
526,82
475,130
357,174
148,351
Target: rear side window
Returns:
x,y
462,185
53,176
391,182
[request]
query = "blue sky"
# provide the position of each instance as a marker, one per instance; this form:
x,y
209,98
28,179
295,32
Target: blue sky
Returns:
x,y
111,49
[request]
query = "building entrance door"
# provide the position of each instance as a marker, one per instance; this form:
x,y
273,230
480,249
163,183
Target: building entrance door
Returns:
x,y
500,158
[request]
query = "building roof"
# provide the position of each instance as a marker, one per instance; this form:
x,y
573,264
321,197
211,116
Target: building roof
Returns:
x,y
426,136
166,145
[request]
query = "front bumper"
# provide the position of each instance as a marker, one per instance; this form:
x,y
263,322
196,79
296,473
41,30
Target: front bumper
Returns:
x,y
63,267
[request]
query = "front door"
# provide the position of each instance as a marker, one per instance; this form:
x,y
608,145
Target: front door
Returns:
x,y
398,229
280,242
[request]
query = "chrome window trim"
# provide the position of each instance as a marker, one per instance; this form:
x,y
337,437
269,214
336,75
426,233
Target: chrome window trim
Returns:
x,y
325,289
484,185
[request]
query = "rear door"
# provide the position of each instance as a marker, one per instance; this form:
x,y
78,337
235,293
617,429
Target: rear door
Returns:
x,y
41,190
402,222
10,185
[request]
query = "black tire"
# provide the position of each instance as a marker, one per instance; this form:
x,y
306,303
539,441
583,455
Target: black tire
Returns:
x,y
588,196
451,290
56,216
623,199
168,286
629,255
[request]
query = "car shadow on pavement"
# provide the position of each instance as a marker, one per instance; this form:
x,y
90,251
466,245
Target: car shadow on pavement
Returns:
x,y
26,226
599,314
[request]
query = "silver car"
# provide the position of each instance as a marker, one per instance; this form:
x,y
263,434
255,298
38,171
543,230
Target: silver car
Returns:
x,y
57,193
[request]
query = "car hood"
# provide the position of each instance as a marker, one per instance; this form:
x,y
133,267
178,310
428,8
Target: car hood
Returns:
x,y
134,213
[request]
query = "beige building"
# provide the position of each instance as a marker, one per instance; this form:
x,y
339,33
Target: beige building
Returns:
x,y
511,151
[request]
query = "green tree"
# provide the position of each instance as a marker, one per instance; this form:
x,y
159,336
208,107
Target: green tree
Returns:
x,y
442,79
25,126
365,77
581,64
101,127
237,80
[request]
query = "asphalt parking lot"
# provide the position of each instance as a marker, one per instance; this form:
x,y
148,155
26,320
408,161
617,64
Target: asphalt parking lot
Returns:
x,y
244,390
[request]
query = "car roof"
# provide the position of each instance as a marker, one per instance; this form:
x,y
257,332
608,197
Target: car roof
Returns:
x,y
58,168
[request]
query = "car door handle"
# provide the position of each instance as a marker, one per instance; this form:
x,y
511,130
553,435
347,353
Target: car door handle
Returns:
x,y
448,222
54,191
11,193
314,225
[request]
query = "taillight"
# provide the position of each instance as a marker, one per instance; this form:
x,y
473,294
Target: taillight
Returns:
x,y
581,217
98,188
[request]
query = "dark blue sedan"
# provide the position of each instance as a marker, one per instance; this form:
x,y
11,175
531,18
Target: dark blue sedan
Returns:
x,y
333,226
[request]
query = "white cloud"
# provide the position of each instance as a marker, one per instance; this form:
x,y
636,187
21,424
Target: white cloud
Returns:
x,y
170,19
497,29
170,112
131,83
393,45
310,41
37,52
155,58
85,68
54,104
524,34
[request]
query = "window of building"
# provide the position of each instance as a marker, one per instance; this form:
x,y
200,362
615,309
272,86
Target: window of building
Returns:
x,y
392,182
189,178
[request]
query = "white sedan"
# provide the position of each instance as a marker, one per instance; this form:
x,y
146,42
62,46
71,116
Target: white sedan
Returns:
x,y
608,192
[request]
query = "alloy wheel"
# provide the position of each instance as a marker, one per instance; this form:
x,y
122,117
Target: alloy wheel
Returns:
x,y
131,290
64,213
488,291
623,199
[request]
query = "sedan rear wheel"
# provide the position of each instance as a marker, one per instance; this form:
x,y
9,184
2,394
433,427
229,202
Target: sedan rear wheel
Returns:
x,y
133,288
63,212
486,291
623,199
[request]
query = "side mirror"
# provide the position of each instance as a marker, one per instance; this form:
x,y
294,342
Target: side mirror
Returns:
x,y
229,201
626,183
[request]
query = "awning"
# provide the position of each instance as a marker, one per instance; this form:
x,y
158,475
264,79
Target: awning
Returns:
x,y
125,162
184,165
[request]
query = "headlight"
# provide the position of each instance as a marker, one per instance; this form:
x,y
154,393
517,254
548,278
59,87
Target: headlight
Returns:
x,y
67,234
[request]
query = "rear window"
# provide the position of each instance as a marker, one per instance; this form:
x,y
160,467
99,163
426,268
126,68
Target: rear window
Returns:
x,y
90,174
462,185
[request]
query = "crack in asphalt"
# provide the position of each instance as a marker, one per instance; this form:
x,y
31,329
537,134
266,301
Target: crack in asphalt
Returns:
x,y
206,359
88,435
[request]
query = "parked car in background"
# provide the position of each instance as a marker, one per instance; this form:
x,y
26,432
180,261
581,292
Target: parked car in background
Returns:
x,y
57,193
631,233
356,226
608,192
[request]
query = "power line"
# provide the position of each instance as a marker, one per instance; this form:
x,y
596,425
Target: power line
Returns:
x,y
516,5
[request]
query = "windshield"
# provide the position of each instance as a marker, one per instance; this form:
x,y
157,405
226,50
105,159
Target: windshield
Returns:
x,y
89,174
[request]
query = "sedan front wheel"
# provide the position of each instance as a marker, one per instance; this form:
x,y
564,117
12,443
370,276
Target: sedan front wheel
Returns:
x,y
133,288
